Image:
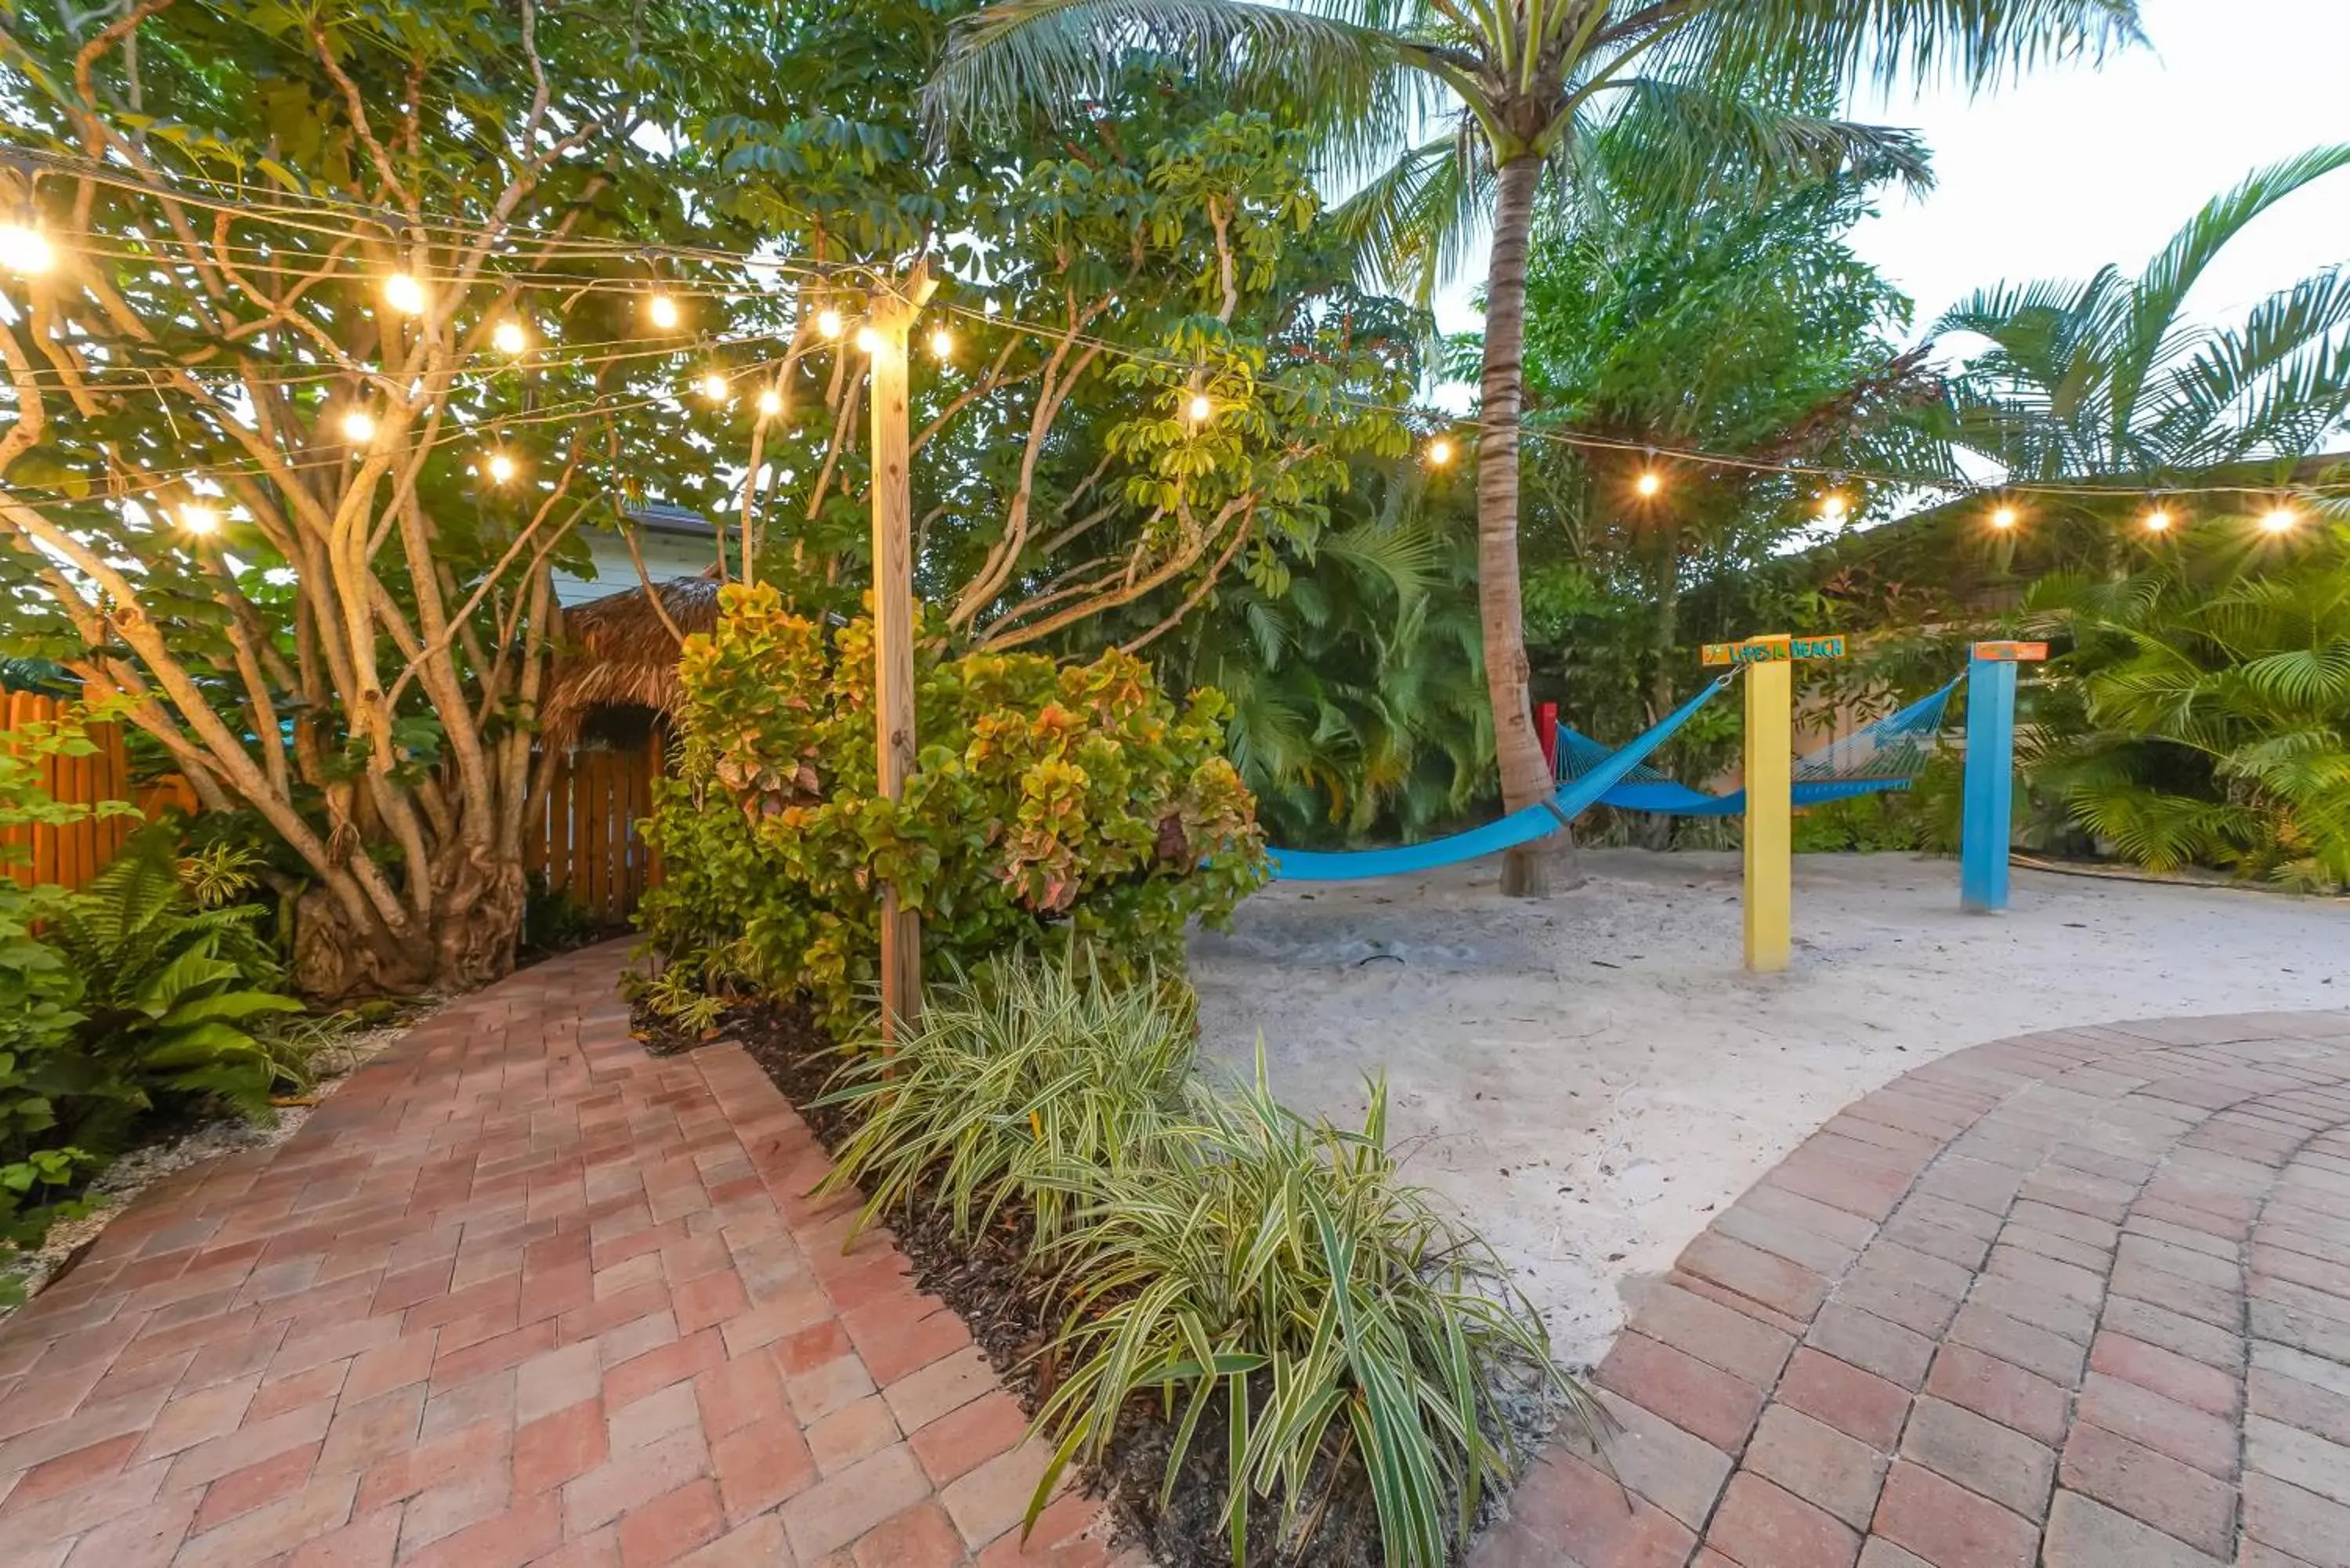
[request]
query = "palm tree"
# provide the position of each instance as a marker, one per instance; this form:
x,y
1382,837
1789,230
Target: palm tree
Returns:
x,y
1522,82
2104,380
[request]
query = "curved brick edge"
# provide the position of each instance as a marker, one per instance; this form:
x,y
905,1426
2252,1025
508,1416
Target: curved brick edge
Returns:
x,y
2079,1299
516,1293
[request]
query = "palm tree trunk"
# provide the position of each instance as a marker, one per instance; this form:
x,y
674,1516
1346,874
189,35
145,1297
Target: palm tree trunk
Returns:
x,y
1656,830
1526,871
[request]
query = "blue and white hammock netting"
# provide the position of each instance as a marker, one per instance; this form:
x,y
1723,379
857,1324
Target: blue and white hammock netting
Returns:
x,y
1888,754
1575,797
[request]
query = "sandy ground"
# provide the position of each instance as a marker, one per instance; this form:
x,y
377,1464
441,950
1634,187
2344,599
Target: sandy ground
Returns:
x,y
1588,1078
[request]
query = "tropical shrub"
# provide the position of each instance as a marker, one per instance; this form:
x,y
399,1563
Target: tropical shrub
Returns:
x,y
1012,1079
2201,714
1210,1253
1280,1271
1046,801
137,992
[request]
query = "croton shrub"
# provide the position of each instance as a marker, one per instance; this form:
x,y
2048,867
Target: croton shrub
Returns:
x,y
1048,800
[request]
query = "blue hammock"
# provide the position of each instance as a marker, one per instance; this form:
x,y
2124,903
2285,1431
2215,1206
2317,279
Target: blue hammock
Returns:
x,y
1888,754
1574,797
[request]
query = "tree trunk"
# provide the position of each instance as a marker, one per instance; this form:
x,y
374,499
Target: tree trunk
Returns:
x,y
1655,831
466,939
1526,871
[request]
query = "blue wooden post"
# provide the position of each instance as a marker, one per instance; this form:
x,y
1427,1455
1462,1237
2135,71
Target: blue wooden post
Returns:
x,y
1990,784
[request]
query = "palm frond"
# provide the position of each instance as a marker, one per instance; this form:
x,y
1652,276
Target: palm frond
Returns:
x,y
2162,288
1416,222
1776,44
1688,143
1355,85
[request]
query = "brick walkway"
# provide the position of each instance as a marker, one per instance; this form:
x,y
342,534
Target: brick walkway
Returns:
x,y
517,1293
2076,1299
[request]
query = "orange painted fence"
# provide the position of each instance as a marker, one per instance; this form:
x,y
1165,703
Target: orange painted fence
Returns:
x,y
585,838
70,854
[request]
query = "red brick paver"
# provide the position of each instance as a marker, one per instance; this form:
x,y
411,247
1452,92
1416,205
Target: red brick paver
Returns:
x,y
517,1293
2074,1300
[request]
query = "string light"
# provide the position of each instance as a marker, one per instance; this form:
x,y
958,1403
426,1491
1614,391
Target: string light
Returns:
x,y
358,425
1650,484
500,468
2157,519
868,341
941,343
663,311
771,404
21,242
714,387
24,249
316,216
509,338
1834,507
1439,453
828,321
1200,408
200,519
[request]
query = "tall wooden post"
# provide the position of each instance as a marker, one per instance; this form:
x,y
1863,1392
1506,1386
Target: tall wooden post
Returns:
x,y
1770,827
891,313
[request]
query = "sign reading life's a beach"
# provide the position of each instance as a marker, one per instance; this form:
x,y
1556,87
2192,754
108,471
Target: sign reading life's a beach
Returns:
x,y
1775,649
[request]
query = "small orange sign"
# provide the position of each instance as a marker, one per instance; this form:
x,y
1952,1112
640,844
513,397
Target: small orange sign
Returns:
x,y
2011,652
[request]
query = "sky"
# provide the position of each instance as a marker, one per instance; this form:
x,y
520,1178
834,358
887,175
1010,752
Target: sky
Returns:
x,y
2085,164
2079,165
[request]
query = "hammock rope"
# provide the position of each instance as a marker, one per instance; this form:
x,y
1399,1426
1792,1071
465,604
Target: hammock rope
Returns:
x,y
1575,797
1888,755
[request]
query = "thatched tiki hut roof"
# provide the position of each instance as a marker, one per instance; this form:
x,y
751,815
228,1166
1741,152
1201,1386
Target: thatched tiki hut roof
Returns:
x,y
619,651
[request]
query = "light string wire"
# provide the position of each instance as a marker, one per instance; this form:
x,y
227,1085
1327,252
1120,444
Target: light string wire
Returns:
x,y
585,248
1691,457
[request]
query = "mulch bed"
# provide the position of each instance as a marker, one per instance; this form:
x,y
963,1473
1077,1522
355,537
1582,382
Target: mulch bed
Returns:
x,y
1012,1316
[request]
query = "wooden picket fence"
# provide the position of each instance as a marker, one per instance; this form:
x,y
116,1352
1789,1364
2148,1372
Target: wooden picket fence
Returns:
x,y
586,839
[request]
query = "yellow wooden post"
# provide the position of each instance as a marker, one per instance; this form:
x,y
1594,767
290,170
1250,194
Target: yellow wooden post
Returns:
x,y
891,313
1769,767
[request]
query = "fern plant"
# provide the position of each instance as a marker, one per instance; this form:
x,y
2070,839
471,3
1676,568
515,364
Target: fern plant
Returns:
x,y
168,992
2202,715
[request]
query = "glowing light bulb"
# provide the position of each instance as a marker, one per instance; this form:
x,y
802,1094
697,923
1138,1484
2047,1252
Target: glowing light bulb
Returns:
x,y
868,341
2004,518
941,343
198,518
358,425
26,250
2282,520
2157,521
828,321
1439,453
1200,408
509,338
1834,507
500,468
771,402
403,294
662,309
1650,484
714,387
